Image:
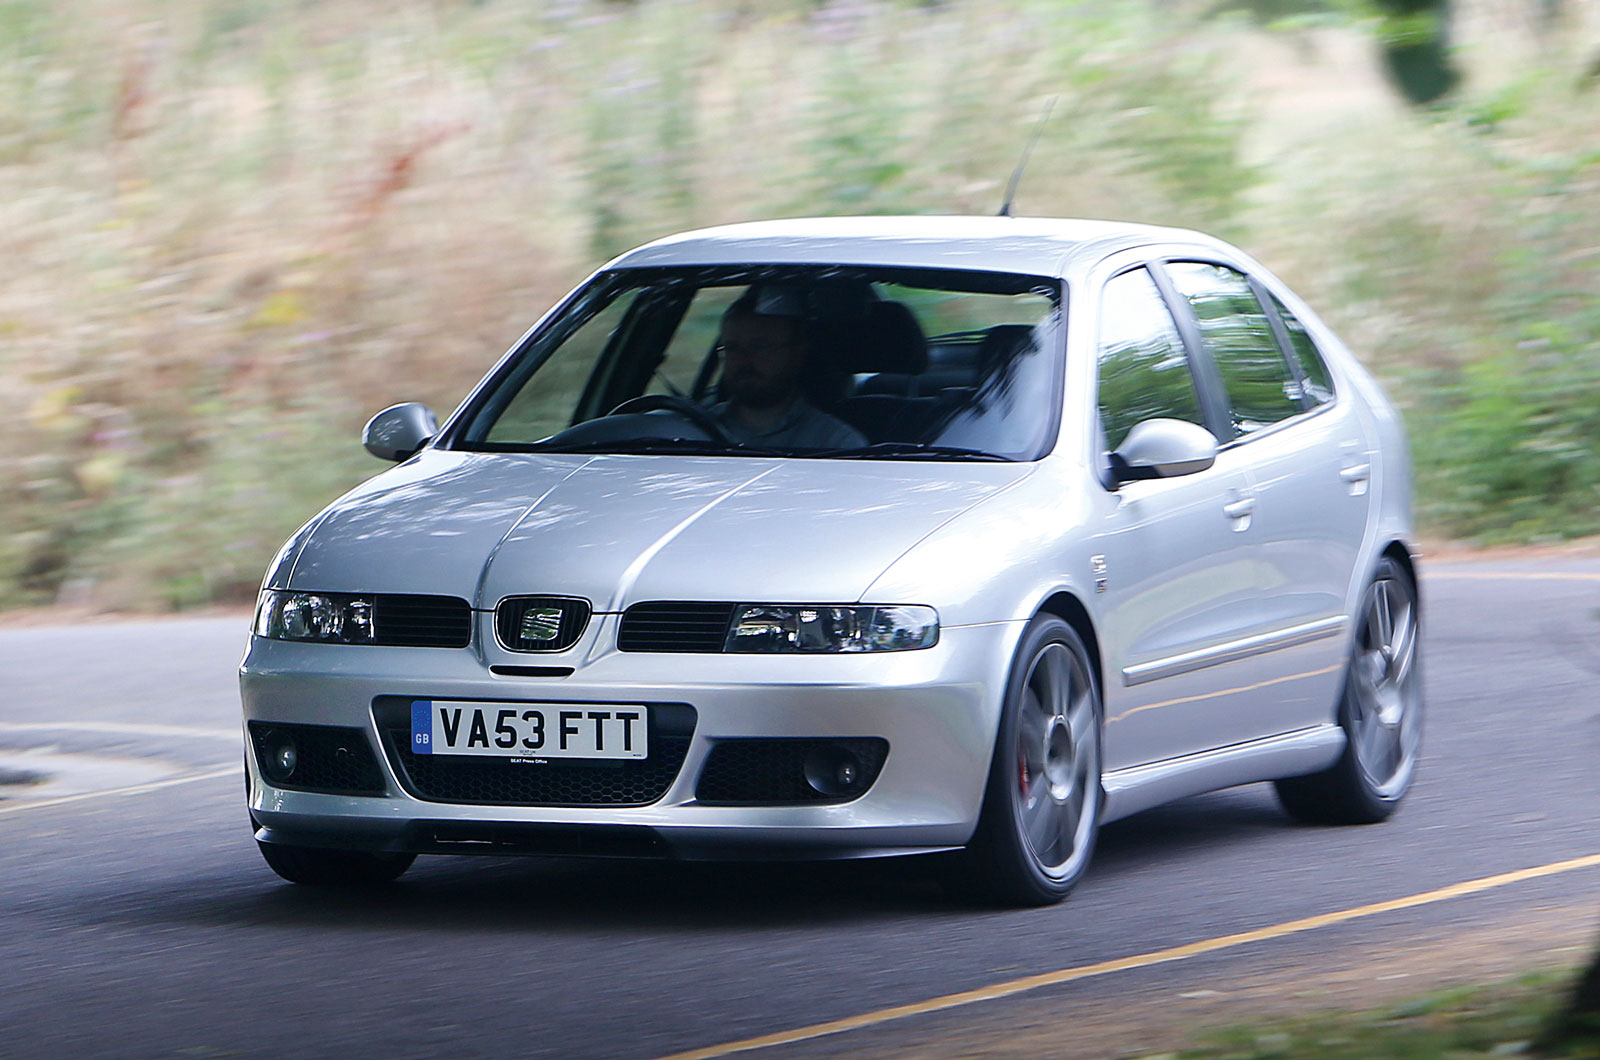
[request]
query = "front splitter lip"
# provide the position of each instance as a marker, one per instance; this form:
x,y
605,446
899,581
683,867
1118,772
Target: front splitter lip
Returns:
x,y
500,838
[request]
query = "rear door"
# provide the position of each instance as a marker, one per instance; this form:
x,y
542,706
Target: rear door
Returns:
x,y
1307,460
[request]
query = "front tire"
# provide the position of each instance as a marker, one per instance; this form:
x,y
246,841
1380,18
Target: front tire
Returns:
x,y
1041,807
1380,711
316,867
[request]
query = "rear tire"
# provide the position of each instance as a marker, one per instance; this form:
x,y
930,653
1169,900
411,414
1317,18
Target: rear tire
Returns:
x,y
317,867
1380,710
1041,807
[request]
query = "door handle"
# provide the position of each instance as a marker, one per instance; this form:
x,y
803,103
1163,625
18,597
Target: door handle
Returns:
x,y
1240,511
1356,476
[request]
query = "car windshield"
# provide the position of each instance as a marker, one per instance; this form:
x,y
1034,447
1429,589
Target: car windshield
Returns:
x,y
817,362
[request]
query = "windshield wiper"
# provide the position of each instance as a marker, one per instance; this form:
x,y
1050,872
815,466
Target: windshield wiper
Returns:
x,y
688,446
915,450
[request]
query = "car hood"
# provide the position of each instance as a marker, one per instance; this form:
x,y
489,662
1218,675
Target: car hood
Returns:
x,y
619,529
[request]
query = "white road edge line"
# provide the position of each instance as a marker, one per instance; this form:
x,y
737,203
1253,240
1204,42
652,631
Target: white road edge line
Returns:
x,y
136,789
1429,573
123,728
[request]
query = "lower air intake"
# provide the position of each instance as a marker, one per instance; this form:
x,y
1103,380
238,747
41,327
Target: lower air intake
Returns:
x,y
749,772
329,759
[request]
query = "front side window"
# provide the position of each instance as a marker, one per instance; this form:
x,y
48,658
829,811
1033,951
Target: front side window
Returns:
x,y
537,411
1144,372
859,363
698,331
1260,385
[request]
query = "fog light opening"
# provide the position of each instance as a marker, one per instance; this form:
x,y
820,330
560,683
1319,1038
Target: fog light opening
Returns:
x,y
279,757
834,771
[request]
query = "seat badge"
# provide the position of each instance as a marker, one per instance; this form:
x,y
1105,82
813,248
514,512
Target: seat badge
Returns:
x,y
1097,564
541,624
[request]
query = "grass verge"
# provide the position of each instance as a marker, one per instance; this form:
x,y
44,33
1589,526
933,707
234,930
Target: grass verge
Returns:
x,y
1518,1018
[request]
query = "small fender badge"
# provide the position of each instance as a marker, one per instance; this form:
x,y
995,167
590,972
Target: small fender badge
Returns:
x,y
1097,565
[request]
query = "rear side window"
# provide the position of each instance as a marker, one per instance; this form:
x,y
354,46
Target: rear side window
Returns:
x,y
1144,372
1261,387
1319,382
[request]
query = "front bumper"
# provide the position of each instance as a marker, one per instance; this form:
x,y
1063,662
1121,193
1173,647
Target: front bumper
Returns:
x,y
937,708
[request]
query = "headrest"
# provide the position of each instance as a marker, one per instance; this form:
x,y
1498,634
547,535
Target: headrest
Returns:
x,y
1001,345
890,340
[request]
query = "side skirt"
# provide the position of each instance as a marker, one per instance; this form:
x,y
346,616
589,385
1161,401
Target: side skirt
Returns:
x,y
1137,788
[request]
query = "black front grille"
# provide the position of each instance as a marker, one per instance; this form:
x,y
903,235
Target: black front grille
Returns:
x,y
330,759
562,617
675,626
421,621
767,772
483,780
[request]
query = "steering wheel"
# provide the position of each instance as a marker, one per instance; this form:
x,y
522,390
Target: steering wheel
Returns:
x,y
678,406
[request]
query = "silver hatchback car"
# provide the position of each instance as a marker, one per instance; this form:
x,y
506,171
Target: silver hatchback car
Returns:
x,y
853,537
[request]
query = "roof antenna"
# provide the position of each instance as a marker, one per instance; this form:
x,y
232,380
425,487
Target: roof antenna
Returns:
x,y
1016,177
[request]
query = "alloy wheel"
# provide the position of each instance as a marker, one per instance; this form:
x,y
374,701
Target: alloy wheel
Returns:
x,y
1385,713
1058,761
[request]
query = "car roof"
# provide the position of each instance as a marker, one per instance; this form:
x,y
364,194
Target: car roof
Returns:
x,y
1029,245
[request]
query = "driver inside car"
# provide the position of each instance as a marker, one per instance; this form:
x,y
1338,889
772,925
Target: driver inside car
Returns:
x,y
765,357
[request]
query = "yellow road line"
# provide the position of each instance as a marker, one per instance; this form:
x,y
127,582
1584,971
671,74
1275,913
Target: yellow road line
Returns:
x,y
135,789
1143,960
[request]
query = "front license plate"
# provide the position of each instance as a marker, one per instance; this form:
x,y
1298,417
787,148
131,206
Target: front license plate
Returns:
x,y
529,730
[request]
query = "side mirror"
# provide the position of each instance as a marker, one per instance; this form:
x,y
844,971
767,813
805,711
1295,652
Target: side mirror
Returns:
x,y
399,431
1163,448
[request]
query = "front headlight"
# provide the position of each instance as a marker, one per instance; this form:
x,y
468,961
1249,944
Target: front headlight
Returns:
x,y
824,628
339,618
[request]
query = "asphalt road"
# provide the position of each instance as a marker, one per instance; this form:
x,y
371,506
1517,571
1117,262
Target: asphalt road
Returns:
x,y
140,922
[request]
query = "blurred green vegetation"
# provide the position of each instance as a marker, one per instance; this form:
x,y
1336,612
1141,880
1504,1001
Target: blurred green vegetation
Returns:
x,y
230,230
1515,1018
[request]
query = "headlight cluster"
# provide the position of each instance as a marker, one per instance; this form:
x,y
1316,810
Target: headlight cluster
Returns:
x,y
805,628
338,618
